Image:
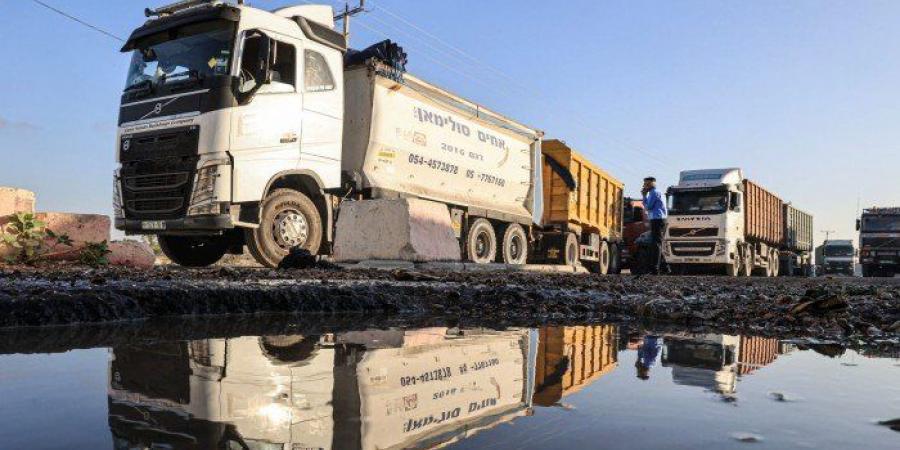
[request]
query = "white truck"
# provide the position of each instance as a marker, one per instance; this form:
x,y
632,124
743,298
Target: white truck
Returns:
x,y
836,256
719,219
240,126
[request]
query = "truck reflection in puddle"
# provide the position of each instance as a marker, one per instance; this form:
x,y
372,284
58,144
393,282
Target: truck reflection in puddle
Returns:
x,y
380,388
715,361
369,389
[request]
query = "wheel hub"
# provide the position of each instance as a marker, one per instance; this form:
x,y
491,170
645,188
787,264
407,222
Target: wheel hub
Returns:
x,y
291,229
481,245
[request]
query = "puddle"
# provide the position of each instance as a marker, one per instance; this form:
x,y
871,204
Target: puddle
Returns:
x,y
563,387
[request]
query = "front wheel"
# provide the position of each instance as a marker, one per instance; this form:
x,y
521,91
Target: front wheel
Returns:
x,y
194,251
615,259
289,219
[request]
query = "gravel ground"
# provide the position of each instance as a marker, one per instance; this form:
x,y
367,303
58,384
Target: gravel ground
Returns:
x,y
846,310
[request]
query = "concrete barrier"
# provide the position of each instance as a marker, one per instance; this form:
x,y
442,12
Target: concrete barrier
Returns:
x,y
405,230
131,254
13,200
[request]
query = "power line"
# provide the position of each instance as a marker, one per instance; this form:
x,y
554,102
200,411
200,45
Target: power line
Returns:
x,y
82,22
515,82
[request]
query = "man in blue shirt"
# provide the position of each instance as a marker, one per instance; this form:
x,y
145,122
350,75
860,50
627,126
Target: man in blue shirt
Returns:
x,y
656,210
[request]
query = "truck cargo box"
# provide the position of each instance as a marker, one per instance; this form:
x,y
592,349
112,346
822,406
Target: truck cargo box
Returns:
x,y
764,217
798,229
415,139
595,203
571,358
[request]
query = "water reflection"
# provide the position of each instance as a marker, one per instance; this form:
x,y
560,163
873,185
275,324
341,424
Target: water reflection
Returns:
x,y
385,388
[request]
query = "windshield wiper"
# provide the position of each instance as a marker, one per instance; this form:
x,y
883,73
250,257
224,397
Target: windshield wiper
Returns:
x,y
140,89
187,78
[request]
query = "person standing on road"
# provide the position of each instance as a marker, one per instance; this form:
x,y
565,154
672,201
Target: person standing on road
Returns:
x,y
656,210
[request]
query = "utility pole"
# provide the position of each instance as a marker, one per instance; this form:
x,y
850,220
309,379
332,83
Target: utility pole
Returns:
x,y
347,14
827,234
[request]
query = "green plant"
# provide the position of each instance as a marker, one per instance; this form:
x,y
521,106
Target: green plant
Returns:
x,y
94,254
30,237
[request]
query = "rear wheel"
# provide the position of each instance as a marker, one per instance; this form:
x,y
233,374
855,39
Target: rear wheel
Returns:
x,y
194,251
481,242
571,254
600,267
514,246
289,219
773,263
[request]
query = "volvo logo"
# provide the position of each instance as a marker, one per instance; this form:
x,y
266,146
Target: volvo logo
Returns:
x,y
126,144
157,108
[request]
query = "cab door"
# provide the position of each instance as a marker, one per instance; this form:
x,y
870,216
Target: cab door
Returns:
x,y
267,125
323,112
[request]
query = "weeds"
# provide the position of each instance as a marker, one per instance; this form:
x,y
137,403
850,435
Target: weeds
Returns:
x,y
31,238
95,254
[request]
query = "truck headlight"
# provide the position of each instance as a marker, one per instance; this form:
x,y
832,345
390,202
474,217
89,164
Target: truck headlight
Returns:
x,y
203,197
721,248
118,213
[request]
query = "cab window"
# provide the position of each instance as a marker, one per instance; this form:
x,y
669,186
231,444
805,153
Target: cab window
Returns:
x,y
317,75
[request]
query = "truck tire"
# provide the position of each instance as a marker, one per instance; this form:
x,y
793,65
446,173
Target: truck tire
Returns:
x,y
194,251
733,269
746,261
514,246
481,242
571,251
773,263
288,219
615,259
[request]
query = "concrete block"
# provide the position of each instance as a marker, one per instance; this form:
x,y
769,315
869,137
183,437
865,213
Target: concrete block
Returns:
x,y
13,200
131,254
81,229
406,229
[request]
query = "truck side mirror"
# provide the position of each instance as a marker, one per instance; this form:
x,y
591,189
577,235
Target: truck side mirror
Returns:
x,y
255,65
735,201
858,223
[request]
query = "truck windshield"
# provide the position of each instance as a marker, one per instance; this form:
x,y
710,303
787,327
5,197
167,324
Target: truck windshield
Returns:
x,y
699,202
881,223
191,52
835,250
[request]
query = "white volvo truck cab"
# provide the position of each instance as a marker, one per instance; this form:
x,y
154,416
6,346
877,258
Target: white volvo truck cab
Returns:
x,y
706,220
230,130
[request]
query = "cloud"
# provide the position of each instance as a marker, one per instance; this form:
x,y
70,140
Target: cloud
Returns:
x,y
20,126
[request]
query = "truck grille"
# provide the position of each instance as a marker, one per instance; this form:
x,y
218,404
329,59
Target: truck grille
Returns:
x,y
881,243
157,189
157,173
693,232
693,248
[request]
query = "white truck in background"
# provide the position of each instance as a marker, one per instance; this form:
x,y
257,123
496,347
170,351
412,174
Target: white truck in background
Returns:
x,y
720,220
836,256
240,126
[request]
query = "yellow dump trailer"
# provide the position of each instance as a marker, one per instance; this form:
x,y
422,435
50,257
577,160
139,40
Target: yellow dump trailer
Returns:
x,y
571,358
583,205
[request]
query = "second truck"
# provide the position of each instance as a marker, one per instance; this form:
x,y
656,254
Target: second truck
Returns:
x,y
879,241
721,220
241,127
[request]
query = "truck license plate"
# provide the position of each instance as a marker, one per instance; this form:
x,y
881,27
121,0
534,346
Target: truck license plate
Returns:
x,y
153,225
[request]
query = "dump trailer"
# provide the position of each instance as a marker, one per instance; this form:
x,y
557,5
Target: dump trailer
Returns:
x,y
797,249
719,219
244,128
582,212
571,358
836,256
879,241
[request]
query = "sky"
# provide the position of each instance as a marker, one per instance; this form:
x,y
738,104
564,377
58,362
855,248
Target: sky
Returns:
x,y
803,95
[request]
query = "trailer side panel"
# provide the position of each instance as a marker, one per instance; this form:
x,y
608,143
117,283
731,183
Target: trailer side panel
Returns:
x,y
764,217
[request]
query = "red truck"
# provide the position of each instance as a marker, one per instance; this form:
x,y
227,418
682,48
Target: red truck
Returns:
x,y
636,223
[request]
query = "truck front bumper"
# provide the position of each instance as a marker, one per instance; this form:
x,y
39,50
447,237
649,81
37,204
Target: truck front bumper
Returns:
x,y
190,225
685,251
